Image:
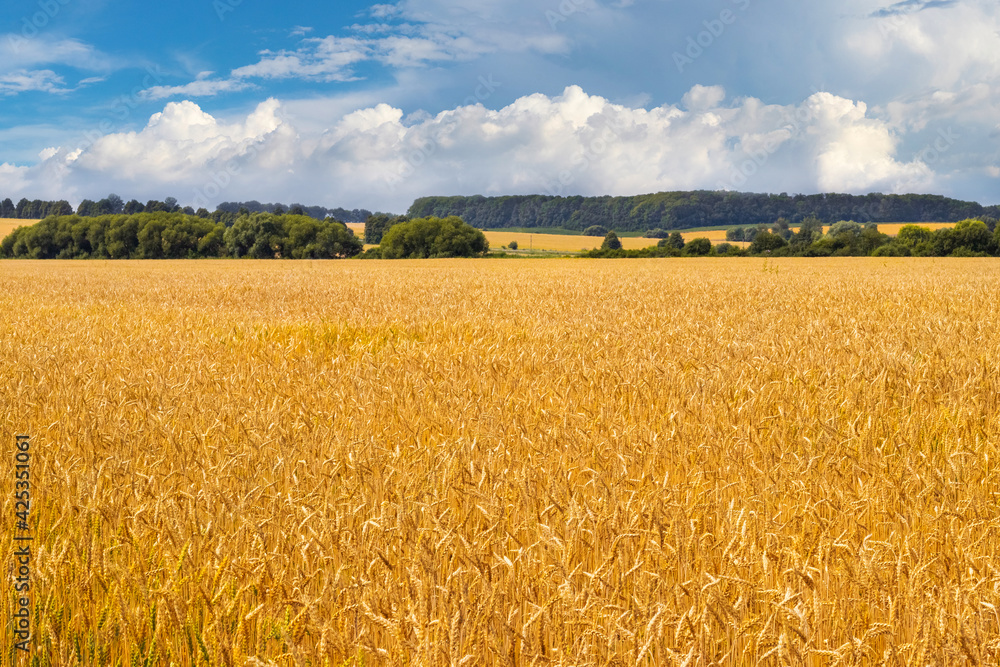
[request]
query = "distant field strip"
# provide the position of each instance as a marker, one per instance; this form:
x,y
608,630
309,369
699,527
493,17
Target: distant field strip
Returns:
x,y
7,225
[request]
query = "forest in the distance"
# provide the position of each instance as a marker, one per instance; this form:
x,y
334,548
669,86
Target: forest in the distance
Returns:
x,y
225,213
687,210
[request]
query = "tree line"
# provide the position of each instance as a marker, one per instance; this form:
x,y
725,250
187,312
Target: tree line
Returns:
x,y
683,210
226,212
318,212
968,238
177,235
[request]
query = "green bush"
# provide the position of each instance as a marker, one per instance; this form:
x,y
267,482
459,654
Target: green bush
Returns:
x,y
611,242
698,247
432,238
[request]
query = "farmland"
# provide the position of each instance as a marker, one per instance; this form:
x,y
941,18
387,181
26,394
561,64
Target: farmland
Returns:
x,y
508,463
7,225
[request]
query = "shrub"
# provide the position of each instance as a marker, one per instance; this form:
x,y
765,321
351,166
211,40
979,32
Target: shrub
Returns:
x,y
698,247
432,238
611,242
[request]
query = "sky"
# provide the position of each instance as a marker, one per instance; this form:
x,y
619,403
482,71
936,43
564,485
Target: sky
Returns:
x,y
365,105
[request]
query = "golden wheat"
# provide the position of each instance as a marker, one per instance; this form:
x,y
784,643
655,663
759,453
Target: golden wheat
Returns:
x,y
561,462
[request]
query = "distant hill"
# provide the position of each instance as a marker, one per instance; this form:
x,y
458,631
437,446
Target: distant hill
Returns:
x,y
684,210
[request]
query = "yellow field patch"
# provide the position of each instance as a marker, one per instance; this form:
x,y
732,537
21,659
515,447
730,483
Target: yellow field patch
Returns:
x,y
569,243
558,242
7,225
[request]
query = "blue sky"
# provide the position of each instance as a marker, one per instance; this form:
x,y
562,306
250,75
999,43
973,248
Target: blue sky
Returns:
x,y
368,105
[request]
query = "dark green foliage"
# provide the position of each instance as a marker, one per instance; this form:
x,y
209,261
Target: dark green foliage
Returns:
x,y
675,241
433,237
512,245
893,249
766,242
809,231
728,249
596,230
682,210
378,224
698,247
656,233
611,242
178,236
317,212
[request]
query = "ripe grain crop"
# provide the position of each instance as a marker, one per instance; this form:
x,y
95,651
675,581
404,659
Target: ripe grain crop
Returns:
x,y
561,462
560,242
8,225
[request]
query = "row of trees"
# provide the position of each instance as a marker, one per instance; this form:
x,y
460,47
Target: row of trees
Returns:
x,y
226,212
968,238
33,210
682,210
318,212
176,235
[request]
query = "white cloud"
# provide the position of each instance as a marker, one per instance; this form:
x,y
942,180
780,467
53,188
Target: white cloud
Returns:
x,y
18,52
573,143
198,88
326,59
22,81
426,33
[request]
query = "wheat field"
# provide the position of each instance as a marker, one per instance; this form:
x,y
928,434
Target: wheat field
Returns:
x,y
8,225
556,462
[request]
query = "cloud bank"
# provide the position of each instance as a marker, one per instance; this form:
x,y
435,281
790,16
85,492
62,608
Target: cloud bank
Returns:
x,y
566,144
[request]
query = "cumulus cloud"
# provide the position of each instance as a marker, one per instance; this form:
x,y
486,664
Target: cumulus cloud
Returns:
x,y
573,143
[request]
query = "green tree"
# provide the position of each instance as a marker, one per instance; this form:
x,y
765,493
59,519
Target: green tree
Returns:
x,y
596,230
433,237
309,238
809,231
974,235
377,224
611,242
766,242
676,241
845,227
698,247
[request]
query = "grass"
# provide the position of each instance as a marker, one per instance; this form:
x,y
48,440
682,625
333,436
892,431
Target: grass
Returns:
x,y
641,462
